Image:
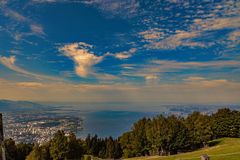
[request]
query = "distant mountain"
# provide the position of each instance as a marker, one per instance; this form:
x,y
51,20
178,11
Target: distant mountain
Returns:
x,y
16,106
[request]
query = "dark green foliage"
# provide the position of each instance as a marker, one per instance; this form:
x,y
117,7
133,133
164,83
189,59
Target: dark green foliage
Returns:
x,y
103,148
168,135
74,147
199,129
126,144
61,147
161,135
16,152
65,147
226,123
58,146
23,150
11,149
40,153
139,137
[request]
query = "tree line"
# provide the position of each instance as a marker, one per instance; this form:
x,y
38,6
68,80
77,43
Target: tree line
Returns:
x,y
160,135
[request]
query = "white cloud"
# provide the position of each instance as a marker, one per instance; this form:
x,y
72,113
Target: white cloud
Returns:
x,y
206,82
155,38
158,67
151,79
14,15
216,23
234,36
83,58
195,64
152,34
37,29
198,90
125,54
194,79
124,9
9,62
180,38
29,84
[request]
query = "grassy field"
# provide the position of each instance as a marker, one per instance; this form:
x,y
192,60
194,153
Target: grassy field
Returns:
x,y
225,149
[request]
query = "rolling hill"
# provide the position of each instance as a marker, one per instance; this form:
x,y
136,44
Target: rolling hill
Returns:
x,y
224,149
16,106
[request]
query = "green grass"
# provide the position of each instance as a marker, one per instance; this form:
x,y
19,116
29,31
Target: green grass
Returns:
x,y
225,149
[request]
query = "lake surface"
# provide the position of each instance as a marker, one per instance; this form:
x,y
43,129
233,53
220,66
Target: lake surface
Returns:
x,y
110,123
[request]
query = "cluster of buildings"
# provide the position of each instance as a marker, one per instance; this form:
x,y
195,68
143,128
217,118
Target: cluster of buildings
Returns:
x,y
40,128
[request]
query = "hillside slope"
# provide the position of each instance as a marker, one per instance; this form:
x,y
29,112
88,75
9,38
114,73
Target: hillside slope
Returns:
x,y
16,106
225,149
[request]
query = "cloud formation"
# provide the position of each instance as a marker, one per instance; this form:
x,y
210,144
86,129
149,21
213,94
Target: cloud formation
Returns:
x,y
84,60
9,62
34,28
157,68
191,90
124,9
157,38
125,54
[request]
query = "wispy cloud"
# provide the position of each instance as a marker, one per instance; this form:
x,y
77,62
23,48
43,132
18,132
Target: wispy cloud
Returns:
x,y
180,38
29,84
14,15
157,68
37,29
152,34
124,9
156,38
124,54
234,36
191,90
34,28
151,79
9,62
191,64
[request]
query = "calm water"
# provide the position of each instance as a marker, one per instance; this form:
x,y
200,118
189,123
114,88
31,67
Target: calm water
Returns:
x,y
110,123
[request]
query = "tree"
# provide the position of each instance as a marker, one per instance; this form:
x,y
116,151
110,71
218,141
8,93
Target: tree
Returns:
x,y
157,134
199,129
59,146
176,134
110,148
23,150
226,123
125,141
39,153
117,150
74,148
10,148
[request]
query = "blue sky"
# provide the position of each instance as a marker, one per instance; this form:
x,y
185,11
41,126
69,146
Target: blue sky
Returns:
x,y
135,51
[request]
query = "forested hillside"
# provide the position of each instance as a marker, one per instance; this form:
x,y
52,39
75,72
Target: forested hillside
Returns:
x,y
161,135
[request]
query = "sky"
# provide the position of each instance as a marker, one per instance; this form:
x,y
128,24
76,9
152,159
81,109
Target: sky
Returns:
x,y
126,51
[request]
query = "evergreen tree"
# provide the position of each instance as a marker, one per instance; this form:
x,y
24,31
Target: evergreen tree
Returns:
x,y
74,148
59,146
140,144
226,123
199,129
39,153
127,148
23,150
11,149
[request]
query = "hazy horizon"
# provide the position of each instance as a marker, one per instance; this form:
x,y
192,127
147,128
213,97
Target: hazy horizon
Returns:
x,y
105,52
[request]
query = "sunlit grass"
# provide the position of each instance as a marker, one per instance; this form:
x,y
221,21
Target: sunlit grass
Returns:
x,y
225,149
